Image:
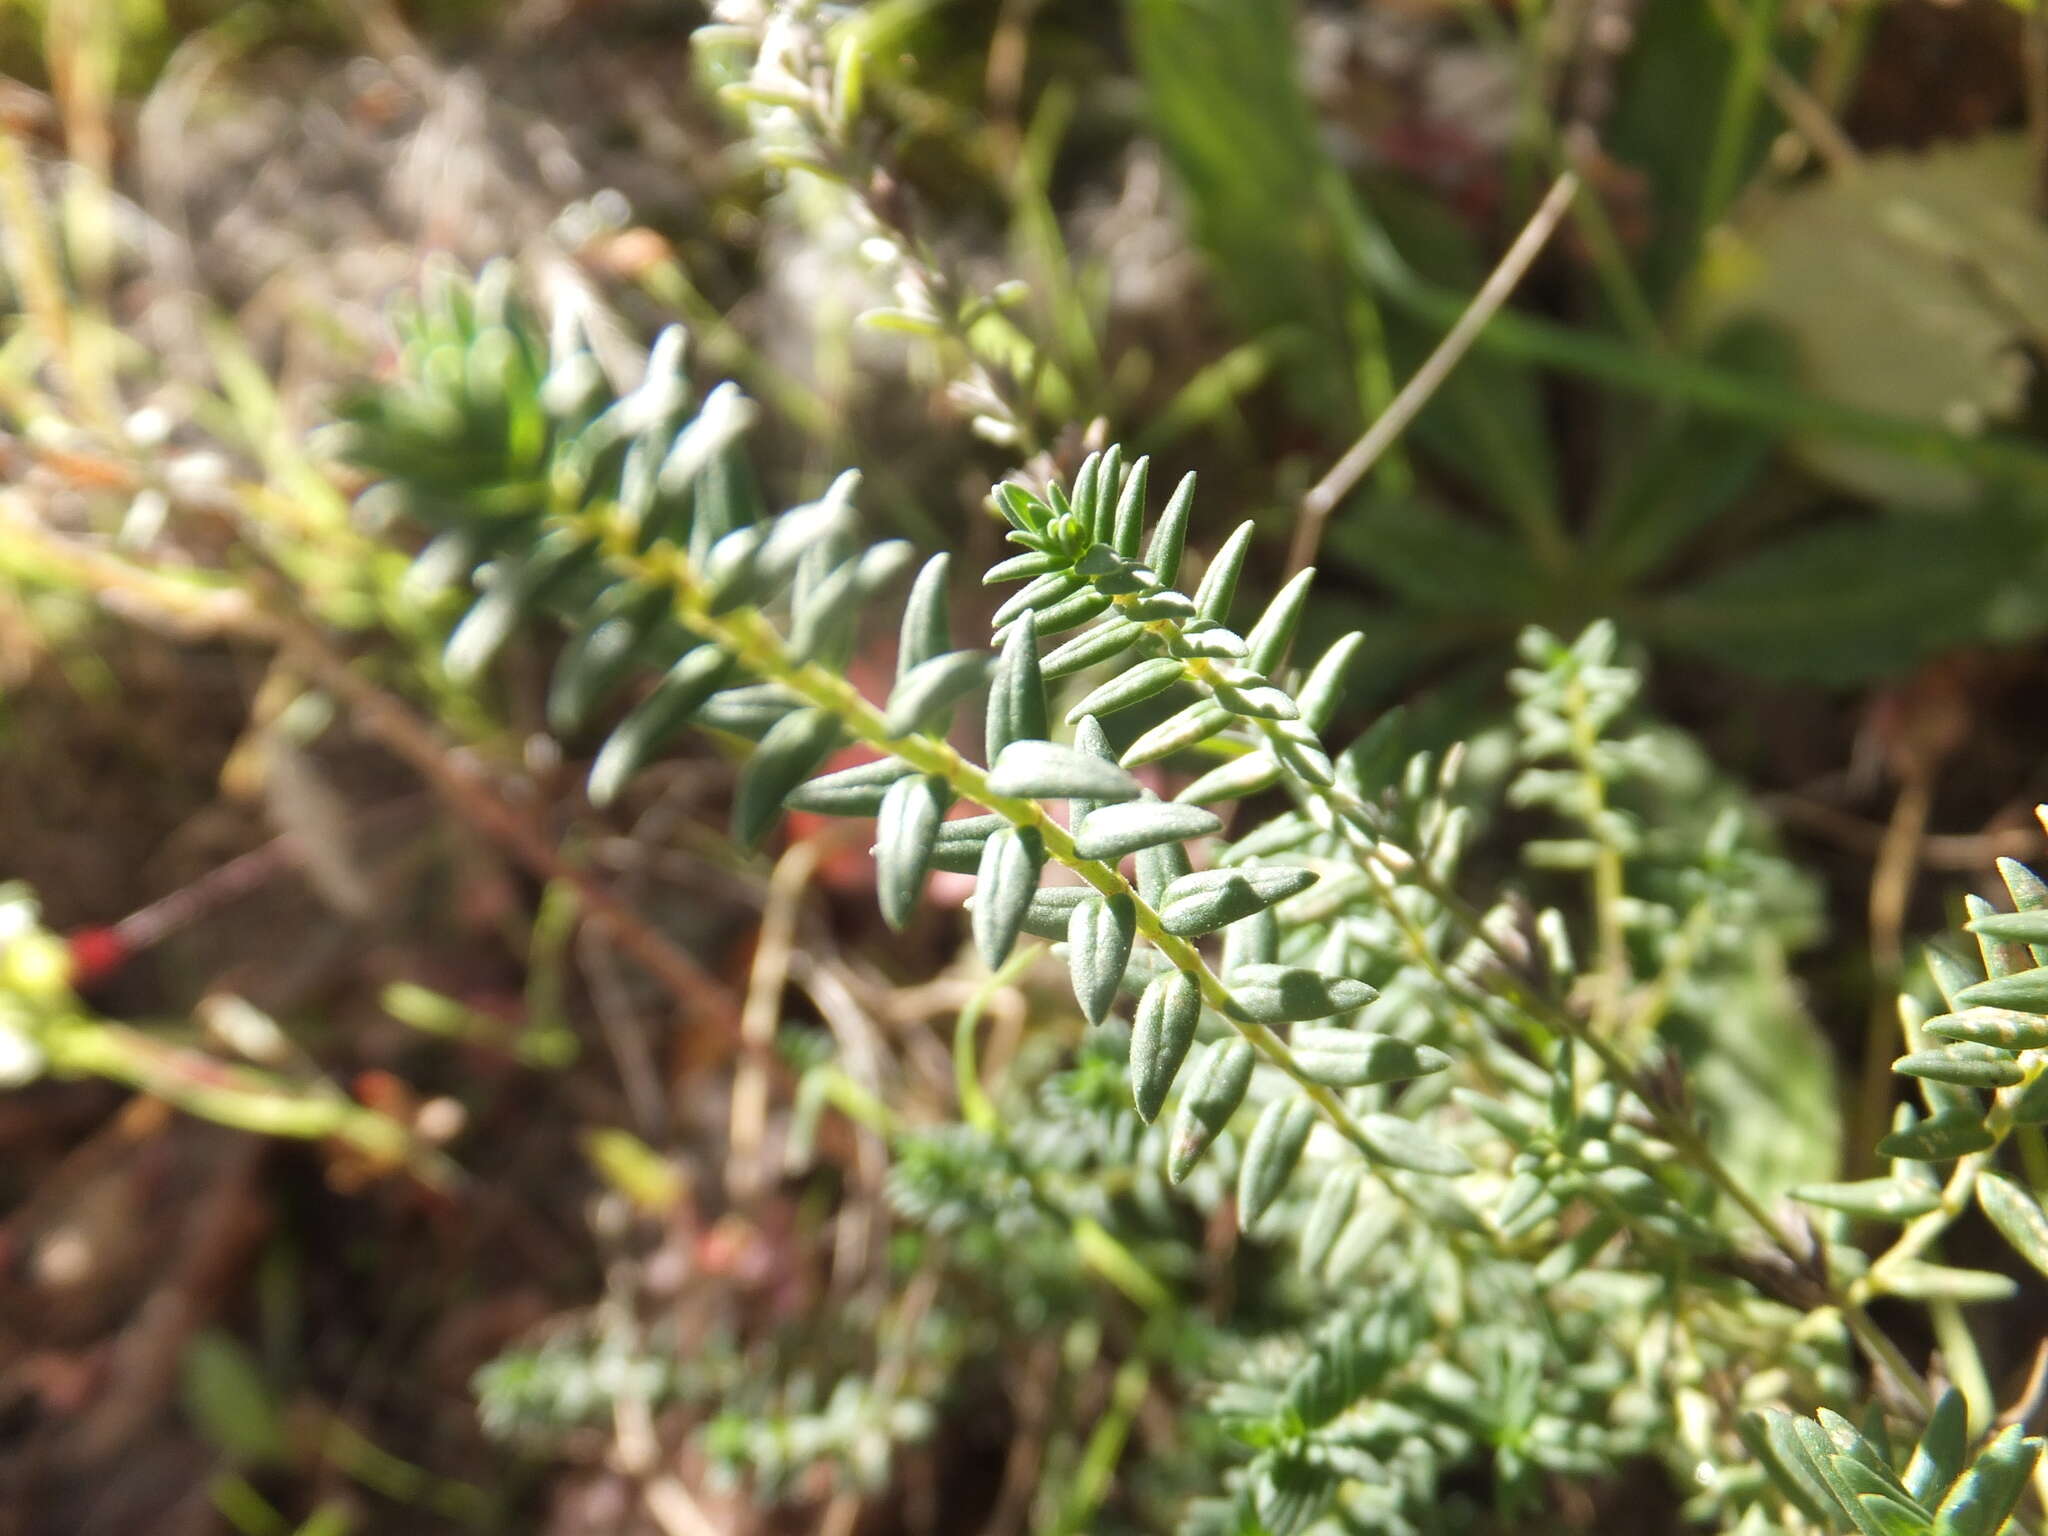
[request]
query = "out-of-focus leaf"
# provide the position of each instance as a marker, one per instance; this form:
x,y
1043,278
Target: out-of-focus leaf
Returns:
x,y
1912,288
1221,92
1849,601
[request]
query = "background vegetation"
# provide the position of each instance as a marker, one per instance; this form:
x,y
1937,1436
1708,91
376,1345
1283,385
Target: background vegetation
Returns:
x,y
443,1090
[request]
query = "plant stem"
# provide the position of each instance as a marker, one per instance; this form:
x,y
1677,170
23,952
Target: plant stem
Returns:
x,y
1343,476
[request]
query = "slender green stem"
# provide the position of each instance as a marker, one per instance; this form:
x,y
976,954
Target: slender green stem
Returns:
x,y
746,634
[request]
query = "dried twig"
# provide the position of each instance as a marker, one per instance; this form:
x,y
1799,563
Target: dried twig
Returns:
x,y
1344,476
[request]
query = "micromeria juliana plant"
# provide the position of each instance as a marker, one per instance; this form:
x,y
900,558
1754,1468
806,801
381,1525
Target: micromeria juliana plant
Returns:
x,y
1529,1239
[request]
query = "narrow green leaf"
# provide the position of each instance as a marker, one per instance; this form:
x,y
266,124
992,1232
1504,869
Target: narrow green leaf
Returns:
x,y
656,719
1042,592
1158,867
1112,637
2001,956
1170,537
1064,615
2028,1103
600,655
1280,994
1214,1092
1133,687
904,834
1044,770
1214,898
1319,695
1129,527
1161,1032
1952,974
789,753
925,634
2017,1214
1345,1058
1251,774
1016,695
1984,1497
1938,1458
1270,1155
1117,830
1401,1144
1918,1280
2029,894
931,687
962,841
1099,938
1026,513
2026,991
1882,1514
1020,567
1267,642
1089,737
1328,1215
855,791
731,570
1772,1436
1010,864
1193,725
2020,927
1939,1138
825,618
1219,582
1164,605
2000,1027
1895,1200
1255,940
1051,908
1088,497
1963,1063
